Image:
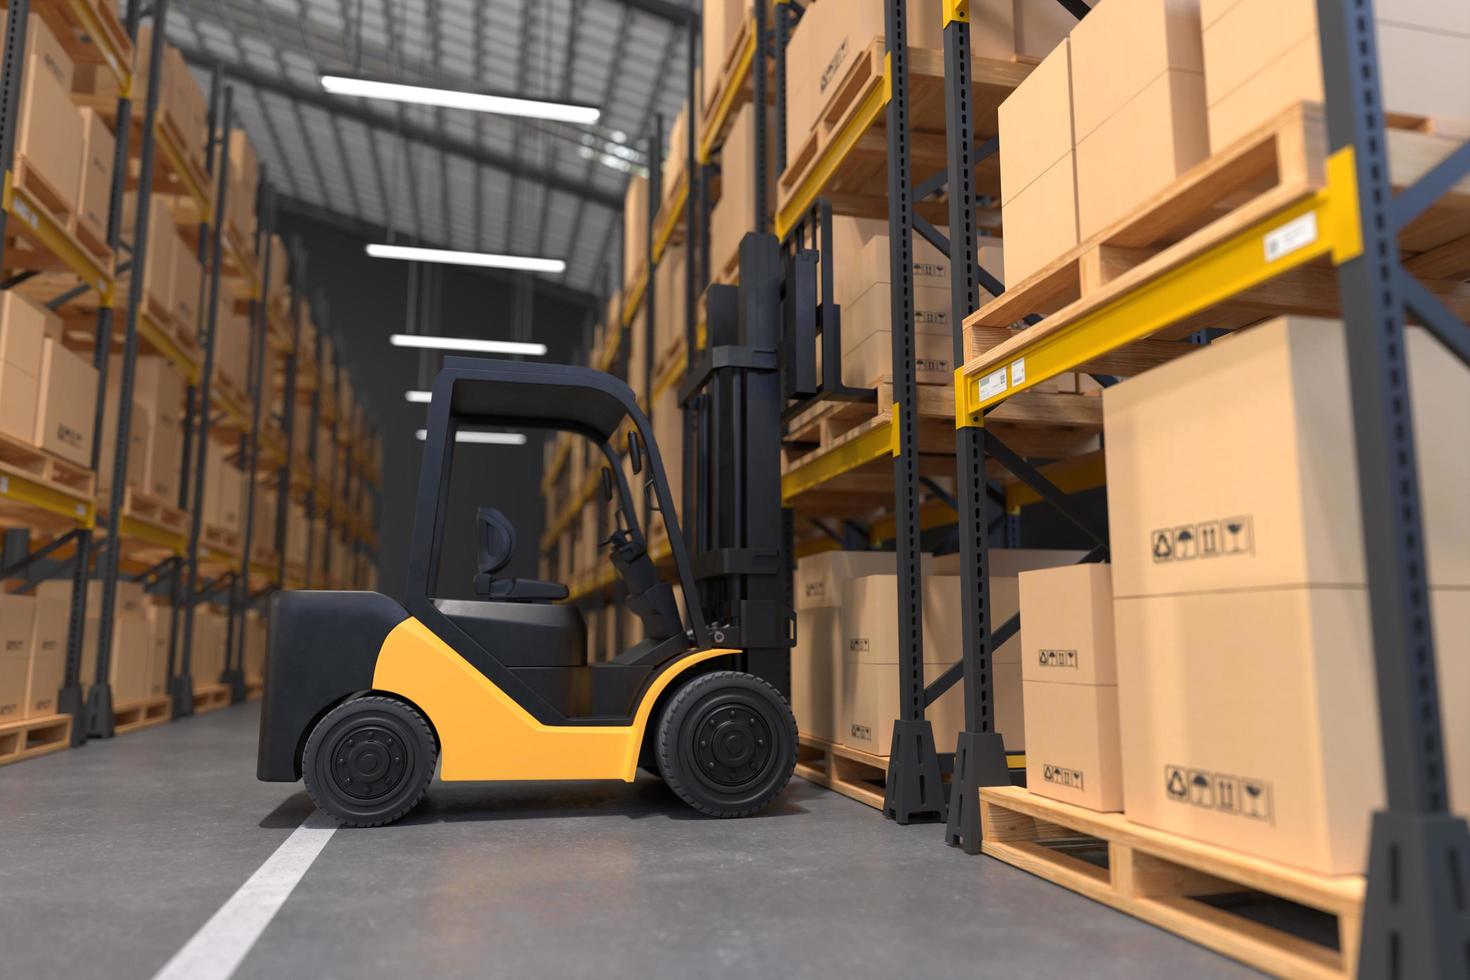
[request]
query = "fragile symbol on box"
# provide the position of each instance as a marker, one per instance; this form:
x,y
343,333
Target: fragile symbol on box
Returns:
x,y
858,644
1070,778
862,732
1057,658
1207,539
1234,795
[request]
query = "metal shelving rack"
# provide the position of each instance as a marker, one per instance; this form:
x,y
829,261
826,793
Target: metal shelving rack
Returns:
x,y
72,520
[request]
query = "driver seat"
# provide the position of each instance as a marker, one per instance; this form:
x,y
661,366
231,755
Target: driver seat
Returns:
x,y
497,542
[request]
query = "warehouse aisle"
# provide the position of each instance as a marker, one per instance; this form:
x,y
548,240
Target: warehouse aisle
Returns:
x,y
118,853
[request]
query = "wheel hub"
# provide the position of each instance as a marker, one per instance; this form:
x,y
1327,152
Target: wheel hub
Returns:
x,y
369,761
732,745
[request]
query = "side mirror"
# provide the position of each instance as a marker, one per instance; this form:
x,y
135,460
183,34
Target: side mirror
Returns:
x,y
607,486
635,452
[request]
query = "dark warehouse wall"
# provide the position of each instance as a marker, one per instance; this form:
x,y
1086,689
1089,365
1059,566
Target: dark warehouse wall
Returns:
x,y
367,301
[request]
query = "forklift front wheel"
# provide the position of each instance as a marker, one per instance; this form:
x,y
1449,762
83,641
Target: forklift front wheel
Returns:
x,y
369,761
727,743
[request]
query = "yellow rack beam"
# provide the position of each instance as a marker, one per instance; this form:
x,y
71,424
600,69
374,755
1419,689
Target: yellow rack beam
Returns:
x,y
877,442
139,530
24,490
198,190
19,202
1068,475
743,61
835,152
162,341
120,65
634,298
1324,224
665,231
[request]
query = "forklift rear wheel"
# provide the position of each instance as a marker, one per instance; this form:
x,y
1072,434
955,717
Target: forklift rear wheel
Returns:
x,y
369,761
727,743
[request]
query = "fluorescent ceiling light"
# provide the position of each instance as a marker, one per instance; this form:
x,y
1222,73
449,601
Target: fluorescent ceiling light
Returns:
x,y
503,105
417,397
484,438
467,344
484,260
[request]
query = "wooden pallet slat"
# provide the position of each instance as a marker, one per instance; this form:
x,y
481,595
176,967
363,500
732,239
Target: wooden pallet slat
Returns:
x,y
146,713
211,697
30,737
1176,883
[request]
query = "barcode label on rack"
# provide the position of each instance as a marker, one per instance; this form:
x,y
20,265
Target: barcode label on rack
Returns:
x,y
1296,234
1018,373
4,485
993,383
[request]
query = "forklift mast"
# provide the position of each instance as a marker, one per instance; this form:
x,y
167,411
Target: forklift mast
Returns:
x,y
739,535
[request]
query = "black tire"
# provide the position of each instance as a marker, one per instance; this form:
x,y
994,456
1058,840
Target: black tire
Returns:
x,y
727,743
369,761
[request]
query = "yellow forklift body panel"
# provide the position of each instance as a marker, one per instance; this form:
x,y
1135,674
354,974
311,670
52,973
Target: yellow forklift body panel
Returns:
x,y
485,735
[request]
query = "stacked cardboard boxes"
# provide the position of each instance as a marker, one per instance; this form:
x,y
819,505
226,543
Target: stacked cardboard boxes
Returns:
x,y
47,392
1070,675
47,668
17,619
132,642
1245,669
635,227
50,133
1262,55
94,195
735,212
207,656
224,489
1089,136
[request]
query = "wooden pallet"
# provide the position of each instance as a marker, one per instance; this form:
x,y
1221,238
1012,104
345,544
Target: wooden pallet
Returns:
x,y
43,191
211,697
854,773
220,539
858,184
133,715
1219,898
1043,424
727,71
37,464
154,510
254,690
1281,163
33,736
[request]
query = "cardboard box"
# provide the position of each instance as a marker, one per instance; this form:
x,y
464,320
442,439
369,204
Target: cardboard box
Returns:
x,y
158,262
734,214
140,436
635,226
829,40
17,618
1006,566
1040,27
67,404
94,190
676,152
1139,150
22,336
1249,718
1035,127
1072,746
48,656
232,344
668,432
255,646
817,673
819,578
160,627
870,705
1263,55
1067,625
720,27
187,286
244,187
870,362
870,627
639,351
670,290
1235,467
207,659
1041,220
1158,36
861,259
49,130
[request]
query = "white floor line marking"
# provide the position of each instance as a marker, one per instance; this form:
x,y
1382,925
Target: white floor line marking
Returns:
x,y
217,949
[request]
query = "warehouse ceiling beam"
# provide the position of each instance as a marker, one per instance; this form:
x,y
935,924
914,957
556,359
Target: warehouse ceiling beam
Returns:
x,y
414,132
662,9
370,231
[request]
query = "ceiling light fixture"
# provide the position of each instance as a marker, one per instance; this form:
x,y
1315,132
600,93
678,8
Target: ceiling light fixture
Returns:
x,y
483,438
484,260
417,397
502,105
467,344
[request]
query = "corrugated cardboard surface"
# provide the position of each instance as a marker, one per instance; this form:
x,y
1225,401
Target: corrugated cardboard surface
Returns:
x,y
1072,747
1249,718
1122,48
1067,625
17,616
48,656
1234,467
67,404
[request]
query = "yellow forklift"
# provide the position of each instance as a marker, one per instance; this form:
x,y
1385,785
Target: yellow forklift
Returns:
x,y
364,697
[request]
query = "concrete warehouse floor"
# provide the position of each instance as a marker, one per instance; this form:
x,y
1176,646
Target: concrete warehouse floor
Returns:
x,y
115,855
